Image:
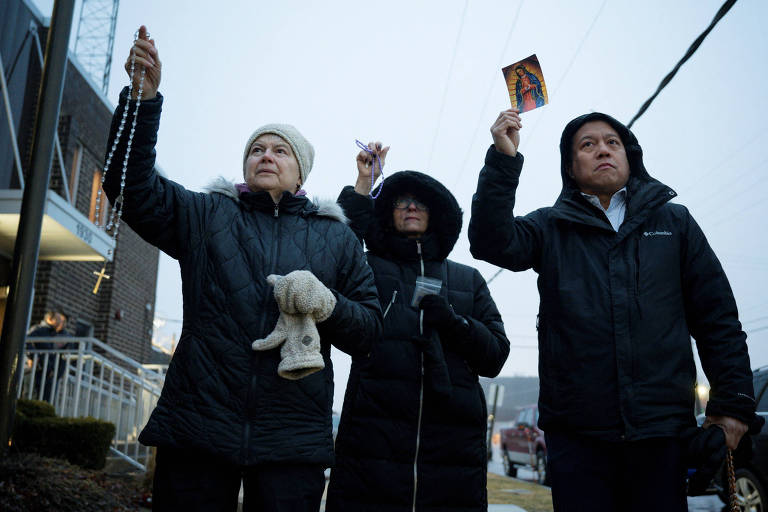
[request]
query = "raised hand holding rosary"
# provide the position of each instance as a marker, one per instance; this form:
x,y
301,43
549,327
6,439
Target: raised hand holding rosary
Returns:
x,y
373,166
113,221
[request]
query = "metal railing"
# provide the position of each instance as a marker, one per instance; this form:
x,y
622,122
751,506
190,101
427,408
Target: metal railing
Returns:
x,y
83,377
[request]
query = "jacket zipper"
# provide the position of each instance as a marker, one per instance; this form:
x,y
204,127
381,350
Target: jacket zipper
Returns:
x,y
392,301
418,435
421,393
253,384
637,278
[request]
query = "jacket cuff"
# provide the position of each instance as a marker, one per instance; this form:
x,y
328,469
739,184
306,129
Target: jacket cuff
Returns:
x,y
154,105
351,201
743,413
510,166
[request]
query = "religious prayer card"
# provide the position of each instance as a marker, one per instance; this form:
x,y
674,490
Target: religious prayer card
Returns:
x,y
525,82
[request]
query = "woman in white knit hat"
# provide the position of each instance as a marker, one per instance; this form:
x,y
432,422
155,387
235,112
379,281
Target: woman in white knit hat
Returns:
x,y
270,280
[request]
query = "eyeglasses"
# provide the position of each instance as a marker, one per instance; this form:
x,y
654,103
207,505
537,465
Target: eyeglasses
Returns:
x,y
404,203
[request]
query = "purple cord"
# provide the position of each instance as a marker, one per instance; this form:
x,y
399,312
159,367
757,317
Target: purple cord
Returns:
x,y
373,168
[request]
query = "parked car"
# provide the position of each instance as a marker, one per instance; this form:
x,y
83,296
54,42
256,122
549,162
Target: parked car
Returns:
x,y
523,445
752,475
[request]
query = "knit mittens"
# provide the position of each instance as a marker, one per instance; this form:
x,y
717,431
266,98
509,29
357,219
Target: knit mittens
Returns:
x,y
303,301
300,292
300,353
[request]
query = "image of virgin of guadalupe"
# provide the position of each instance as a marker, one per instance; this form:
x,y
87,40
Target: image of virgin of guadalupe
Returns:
x,y
528,90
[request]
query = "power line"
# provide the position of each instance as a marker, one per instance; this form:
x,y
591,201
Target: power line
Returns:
x,y
488,94
559,83
738,212
755,320
691,50
578,48
447,81
753,307
166,319
746,258
494,276
740,193
701,179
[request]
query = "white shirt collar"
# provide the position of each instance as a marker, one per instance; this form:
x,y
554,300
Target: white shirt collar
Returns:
x,y
618,199
616,208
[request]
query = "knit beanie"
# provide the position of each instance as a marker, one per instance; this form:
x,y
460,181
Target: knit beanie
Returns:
x,y
300,146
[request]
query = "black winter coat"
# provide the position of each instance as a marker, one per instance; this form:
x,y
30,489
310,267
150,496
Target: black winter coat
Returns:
x,y
402,438
220,396
43,330
618,308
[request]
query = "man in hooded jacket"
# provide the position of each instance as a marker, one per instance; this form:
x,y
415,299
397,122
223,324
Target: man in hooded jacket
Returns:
x,y
625,278
412,431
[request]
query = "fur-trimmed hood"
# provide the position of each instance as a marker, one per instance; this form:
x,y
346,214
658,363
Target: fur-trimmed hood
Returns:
x,y
445,216
322,207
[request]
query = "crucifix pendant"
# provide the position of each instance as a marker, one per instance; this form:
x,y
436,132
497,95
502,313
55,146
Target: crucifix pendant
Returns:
x,y
102,275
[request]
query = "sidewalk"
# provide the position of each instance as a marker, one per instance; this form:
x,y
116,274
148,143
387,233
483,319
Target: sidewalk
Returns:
x,y
505,508
491,508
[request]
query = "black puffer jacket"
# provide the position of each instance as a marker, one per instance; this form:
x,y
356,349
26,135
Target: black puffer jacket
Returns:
x,y
618,308
219,395
399,434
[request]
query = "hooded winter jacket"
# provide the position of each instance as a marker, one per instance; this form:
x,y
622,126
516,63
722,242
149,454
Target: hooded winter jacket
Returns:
x,y
220,396
407,438
617,309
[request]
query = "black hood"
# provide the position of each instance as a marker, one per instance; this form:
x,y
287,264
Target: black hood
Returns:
x,y
445,216
632,147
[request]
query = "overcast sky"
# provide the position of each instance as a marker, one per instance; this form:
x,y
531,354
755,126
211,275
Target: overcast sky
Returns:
x,y
425,78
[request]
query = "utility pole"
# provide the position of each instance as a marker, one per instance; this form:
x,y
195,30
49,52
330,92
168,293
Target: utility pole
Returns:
x,y
27,247
493,389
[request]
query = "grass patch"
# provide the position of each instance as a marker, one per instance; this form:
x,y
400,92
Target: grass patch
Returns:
x,y
532,497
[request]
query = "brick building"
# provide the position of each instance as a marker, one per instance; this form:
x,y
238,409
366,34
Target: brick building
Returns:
x,y
72,248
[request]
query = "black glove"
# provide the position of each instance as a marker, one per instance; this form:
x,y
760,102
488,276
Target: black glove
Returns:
x,y
743,453
705,452
439,315
756,425
435,368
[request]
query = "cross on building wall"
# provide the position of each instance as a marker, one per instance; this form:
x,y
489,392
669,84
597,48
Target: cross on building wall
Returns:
x,y
102,275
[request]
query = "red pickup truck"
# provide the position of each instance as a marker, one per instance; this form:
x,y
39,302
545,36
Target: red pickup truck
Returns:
x,y
523,445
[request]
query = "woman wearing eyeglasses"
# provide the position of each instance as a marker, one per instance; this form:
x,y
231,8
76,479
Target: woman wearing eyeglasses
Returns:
x,y
413,427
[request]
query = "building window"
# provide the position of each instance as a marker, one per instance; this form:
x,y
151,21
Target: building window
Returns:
x,y
103,203
74,176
